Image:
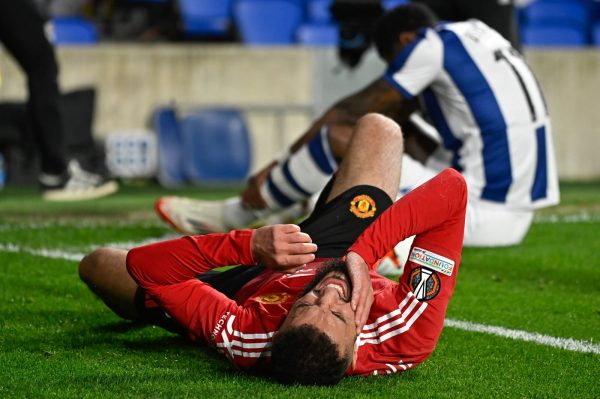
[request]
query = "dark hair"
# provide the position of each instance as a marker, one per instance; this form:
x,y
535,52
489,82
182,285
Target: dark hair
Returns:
x,y
305,355
404,18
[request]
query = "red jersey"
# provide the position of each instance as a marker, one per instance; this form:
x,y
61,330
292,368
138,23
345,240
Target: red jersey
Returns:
x,y
405,320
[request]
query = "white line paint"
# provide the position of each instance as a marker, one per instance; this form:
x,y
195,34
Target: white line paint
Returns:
x,y
519,335
562,343
77,224
77,256
583,217
46,253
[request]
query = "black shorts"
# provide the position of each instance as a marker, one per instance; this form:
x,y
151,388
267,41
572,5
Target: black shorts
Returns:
x,y
335,225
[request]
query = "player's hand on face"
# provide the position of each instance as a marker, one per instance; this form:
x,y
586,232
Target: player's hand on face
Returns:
x,y
362,290
282,247
251,197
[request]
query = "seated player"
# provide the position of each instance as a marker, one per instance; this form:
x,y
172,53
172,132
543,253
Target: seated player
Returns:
x,y
475,89
240,311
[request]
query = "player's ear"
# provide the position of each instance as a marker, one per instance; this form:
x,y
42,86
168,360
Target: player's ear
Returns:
x,y
406,37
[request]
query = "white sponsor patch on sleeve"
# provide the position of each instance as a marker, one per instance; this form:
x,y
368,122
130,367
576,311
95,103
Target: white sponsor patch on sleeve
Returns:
x,y
432,260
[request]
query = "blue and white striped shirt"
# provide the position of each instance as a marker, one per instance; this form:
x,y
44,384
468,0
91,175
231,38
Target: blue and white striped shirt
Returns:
x,y
488,108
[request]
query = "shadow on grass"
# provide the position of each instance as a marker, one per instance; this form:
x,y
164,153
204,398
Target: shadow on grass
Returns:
x,y
122,326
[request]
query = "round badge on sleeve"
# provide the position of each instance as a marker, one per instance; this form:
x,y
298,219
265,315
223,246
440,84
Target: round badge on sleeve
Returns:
x,y
274,299
424,283
363,206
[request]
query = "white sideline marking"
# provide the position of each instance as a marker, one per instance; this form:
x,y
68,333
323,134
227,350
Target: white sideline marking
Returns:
x,y
584,216
562,343
569,218
76,224
519,335
77,256
46,253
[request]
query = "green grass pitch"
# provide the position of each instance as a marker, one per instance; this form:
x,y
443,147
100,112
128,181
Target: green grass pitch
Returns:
x,y
58,340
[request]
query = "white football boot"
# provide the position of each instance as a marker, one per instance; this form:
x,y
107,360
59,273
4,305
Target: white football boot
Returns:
x,y
191,216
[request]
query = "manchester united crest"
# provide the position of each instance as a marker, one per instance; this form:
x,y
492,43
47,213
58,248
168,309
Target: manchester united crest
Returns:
x,y
424,283
273,299
363,206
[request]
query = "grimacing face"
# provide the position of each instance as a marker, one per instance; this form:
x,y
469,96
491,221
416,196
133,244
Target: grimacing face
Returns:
x,y
325,305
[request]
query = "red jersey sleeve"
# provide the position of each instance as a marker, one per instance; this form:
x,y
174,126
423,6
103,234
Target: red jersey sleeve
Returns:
x,y
422,212
167,272
407,318
172,261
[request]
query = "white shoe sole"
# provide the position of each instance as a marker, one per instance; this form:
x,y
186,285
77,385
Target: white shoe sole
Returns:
x,y
198,228
81,195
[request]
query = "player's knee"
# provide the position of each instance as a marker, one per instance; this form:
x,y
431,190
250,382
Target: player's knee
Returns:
x,y
378,125
91,265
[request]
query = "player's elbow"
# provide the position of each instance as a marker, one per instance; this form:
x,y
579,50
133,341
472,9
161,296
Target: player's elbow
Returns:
x,y
456,183
92,265
452,177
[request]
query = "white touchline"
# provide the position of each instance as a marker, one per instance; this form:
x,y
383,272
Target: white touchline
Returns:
x,y
562,343
76,224
581,217
77,256
47,253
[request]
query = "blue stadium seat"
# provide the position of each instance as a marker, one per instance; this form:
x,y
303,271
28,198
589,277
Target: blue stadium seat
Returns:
x,y
74,30
170,166
596,34
205,17
557,12
389,4
318,35
165,2
318,11
215,146
557,36
264,22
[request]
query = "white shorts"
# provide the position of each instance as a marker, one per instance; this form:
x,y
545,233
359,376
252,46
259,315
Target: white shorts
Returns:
x,y
487,224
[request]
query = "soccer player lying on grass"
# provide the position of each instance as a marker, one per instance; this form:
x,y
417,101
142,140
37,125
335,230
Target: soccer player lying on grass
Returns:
x,y
308,320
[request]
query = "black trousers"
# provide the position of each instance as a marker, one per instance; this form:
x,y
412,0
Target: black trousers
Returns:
x,y
22,34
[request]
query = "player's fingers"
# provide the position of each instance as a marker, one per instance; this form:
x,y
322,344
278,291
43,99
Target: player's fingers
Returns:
x,y
361,301
289,228
298,236
302,248
360,321
362,312
359,288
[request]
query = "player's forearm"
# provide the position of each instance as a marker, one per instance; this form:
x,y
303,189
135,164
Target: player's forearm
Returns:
x,y
178,260
440,200
378,97
336,117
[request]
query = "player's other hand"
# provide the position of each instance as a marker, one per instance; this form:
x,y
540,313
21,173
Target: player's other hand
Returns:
x,y
282,247
362,290
251,197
